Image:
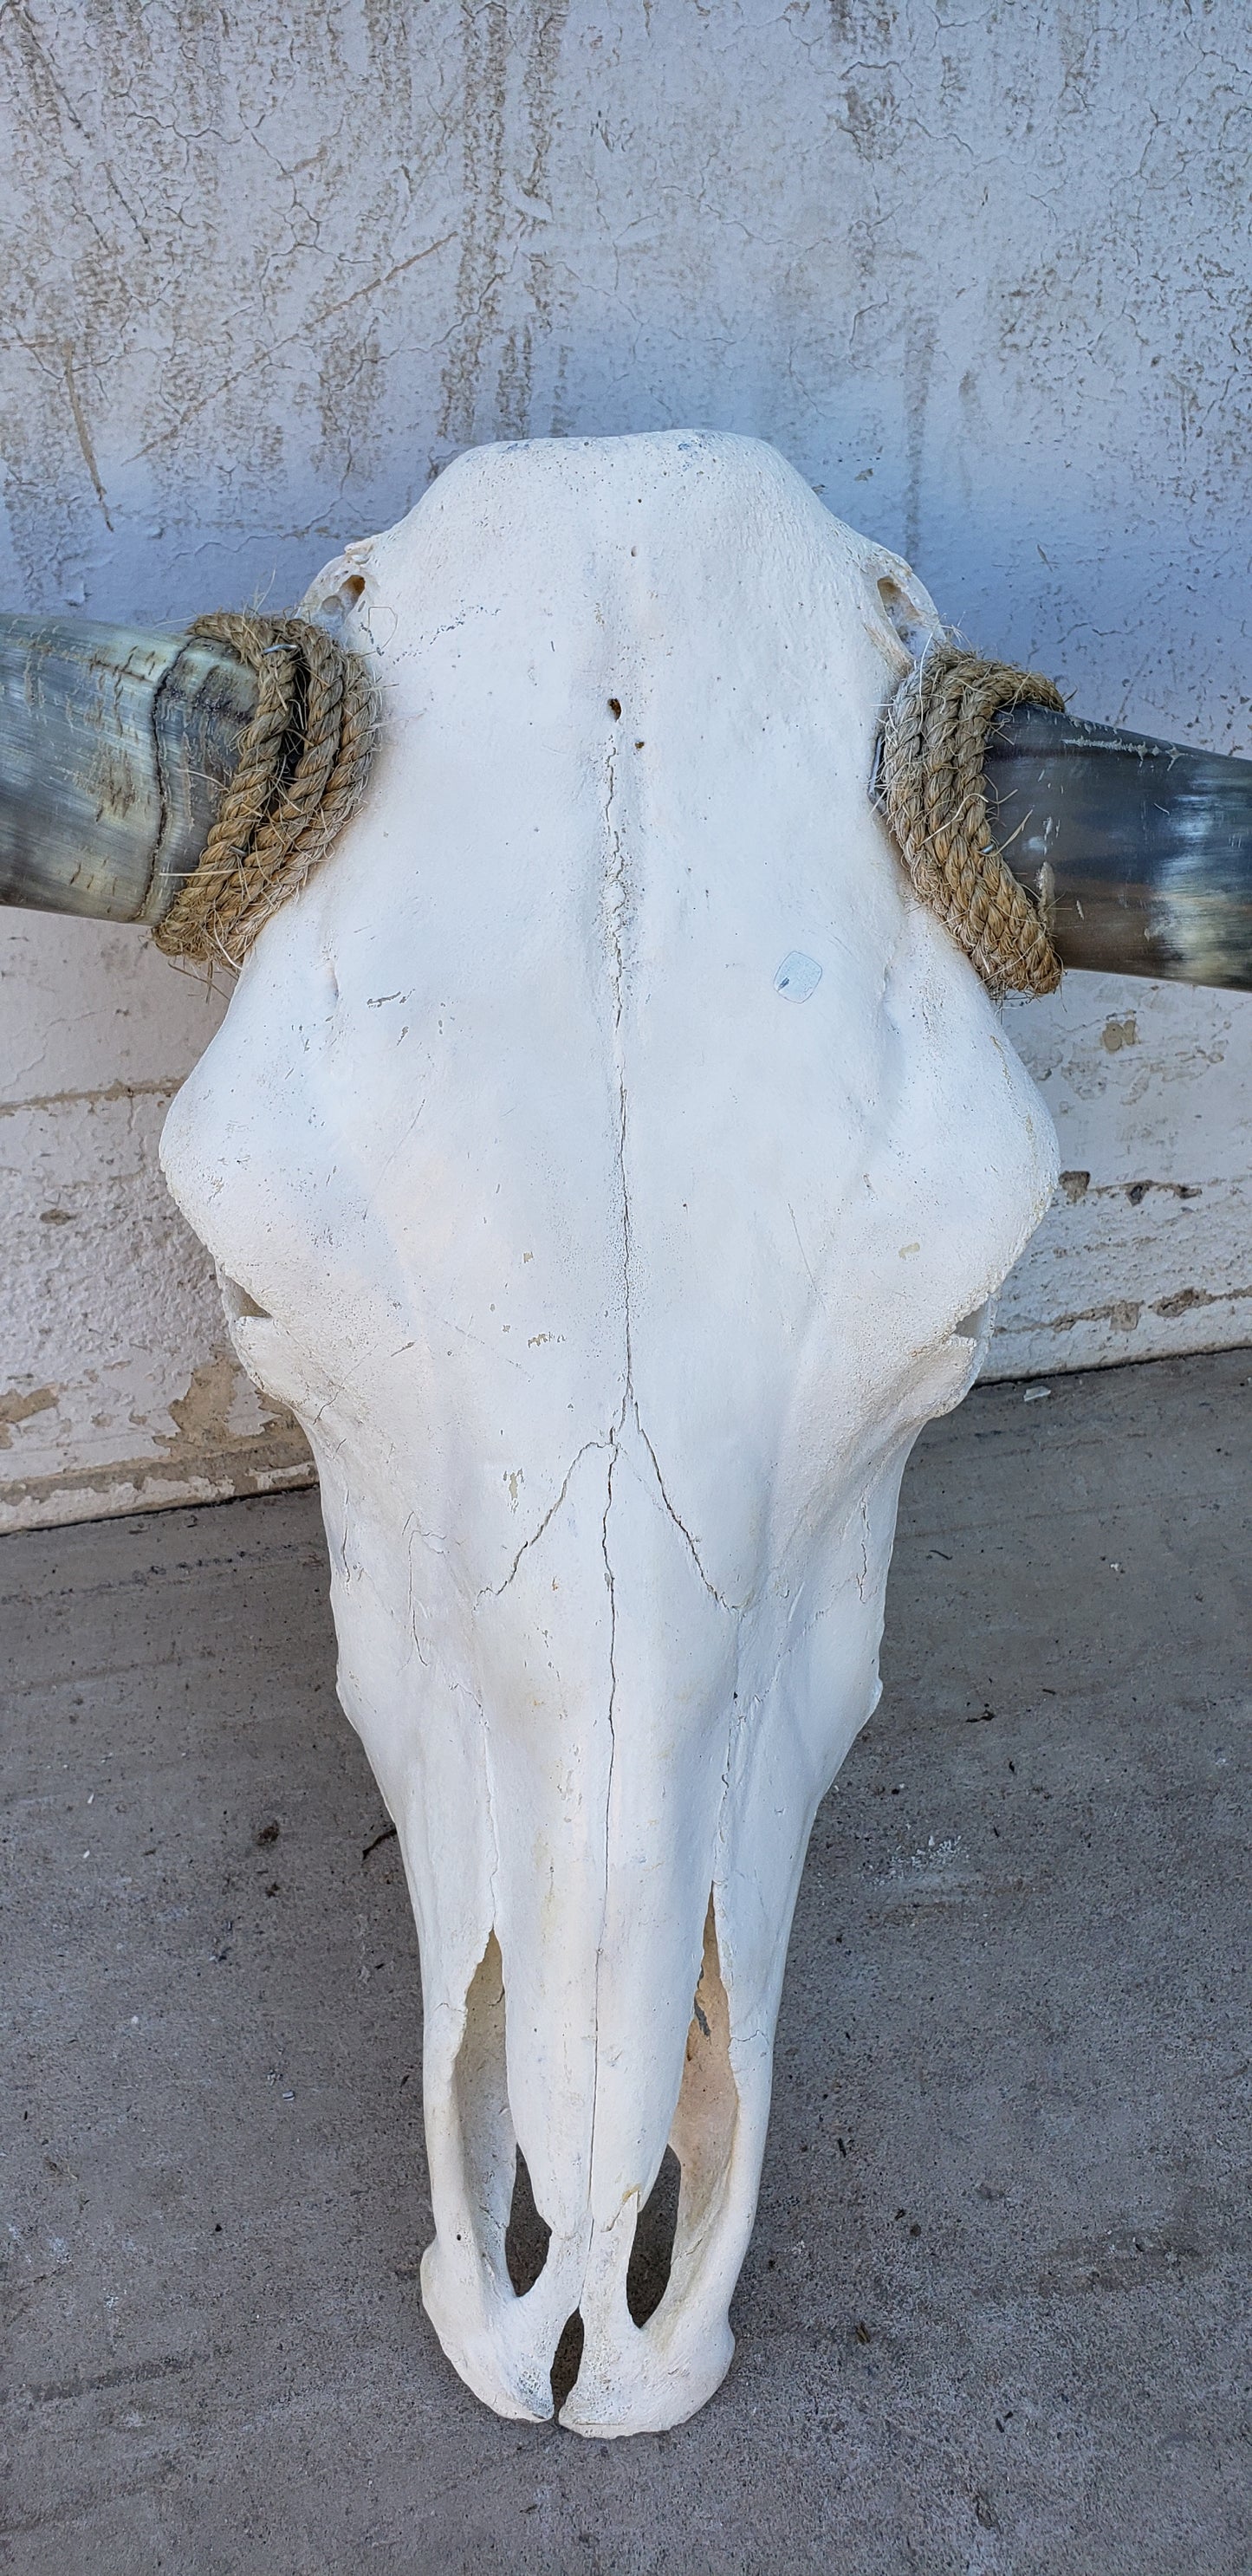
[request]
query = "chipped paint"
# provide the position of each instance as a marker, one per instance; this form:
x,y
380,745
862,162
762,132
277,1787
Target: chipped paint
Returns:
x,y
266,1465
121,1392
16,1408
1145,1250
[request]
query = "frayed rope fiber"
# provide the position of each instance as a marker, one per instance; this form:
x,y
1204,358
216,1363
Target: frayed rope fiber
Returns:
x,y
935,799
303,763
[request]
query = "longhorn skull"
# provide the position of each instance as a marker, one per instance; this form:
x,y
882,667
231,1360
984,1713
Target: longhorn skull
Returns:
x,y
611,1165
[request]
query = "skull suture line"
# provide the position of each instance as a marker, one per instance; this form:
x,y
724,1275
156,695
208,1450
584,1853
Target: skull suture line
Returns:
x,y
610,1163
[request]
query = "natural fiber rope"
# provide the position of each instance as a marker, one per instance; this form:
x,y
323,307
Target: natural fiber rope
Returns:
x,y
305,757
303,762
935,798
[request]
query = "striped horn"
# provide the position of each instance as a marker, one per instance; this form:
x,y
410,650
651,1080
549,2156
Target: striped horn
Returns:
x,y
115,748
1148,844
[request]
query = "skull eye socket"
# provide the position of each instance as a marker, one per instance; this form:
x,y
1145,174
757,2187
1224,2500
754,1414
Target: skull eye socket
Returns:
x,y
970,1328
239,1303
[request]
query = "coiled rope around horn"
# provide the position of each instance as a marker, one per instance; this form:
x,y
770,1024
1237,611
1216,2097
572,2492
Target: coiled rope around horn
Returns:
x,y
934,796
305,757
303,762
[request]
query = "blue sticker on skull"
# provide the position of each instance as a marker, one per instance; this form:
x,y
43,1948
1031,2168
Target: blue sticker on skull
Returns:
x,y
798,976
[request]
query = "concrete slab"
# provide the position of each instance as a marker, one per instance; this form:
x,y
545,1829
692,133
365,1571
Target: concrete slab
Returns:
x,y
989,2321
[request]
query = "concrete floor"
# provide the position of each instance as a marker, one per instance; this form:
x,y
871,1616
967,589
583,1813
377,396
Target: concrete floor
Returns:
x,y
989,2320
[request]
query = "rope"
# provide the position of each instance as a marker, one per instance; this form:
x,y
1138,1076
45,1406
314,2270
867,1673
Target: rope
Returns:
x,y
303,762
935,798
305,757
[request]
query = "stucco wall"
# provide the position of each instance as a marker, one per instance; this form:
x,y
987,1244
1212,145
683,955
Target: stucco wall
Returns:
x,y
116,1388
982,275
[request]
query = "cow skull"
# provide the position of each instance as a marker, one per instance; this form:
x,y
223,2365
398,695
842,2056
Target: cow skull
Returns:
x,y
611,1165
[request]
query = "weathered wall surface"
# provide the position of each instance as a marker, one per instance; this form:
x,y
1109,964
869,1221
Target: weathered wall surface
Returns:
x,y
983,276
116,1390
1148,1248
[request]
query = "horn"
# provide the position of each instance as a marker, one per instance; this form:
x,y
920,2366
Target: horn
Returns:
x,y
116,746
1148,844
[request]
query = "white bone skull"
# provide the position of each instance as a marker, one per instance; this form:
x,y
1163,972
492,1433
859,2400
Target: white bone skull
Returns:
x,y
611,1164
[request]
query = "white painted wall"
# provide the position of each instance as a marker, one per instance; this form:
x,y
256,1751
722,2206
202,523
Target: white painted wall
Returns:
x,y
118,1389
1148,1247
983,276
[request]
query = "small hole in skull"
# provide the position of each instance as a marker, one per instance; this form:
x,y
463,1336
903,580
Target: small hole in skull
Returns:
x,y
912,628
566,2361
527,2236
647,2275
971,1325
340,603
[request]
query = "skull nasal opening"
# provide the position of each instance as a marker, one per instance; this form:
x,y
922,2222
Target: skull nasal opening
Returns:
x,y
652,2254
515,2240
702,2137
527,2236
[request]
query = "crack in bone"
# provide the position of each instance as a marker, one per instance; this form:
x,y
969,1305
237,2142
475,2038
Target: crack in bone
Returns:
x,y
611,1714
492,1591
736,1607
615,901
615,896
